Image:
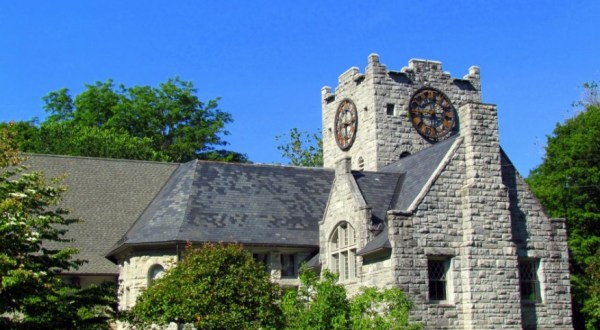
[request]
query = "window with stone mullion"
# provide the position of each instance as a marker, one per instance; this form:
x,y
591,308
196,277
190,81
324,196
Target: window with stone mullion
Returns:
x,y
343,251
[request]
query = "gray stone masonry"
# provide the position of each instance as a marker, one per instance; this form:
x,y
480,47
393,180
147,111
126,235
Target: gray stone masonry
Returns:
x,y
476,213
381,137
489,272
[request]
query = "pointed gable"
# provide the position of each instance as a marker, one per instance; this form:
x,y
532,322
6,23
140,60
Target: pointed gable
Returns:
x,y
379,191
418,169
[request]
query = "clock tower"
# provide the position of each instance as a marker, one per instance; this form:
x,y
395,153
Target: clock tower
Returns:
x,y
381,115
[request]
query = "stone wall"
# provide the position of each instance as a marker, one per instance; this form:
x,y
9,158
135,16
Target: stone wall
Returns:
x,y
135,267
133,277
434,229
346,204
489,272
540,238
478,216
381,137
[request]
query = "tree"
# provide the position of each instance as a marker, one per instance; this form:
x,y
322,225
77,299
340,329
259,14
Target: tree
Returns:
x,y
32,296
215,286
386,309
567,183
167,122
302,148
322,304
318,304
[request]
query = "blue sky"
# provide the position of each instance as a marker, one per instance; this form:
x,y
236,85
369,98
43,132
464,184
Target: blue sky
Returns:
x,y
268,60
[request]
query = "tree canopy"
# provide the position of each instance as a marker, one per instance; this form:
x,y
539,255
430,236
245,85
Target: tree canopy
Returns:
x,y
301,148
321,303
567,183
167,123
215,286
32,296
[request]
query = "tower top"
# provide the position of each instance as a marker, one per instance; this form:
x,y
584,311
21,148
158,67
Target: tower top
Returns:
x,y
377,115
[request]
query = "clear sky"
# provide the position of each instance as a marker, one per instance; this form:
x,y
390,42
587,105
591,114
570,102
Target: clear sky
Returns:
x,y
268,60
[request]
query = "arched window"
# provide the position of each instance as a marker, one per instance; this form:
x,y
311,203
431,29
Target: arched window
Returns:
x,y
343,251
155,272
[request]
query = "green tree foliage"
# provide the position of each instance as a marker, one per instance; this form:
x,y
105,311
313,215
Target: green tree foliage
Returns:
x,y
318,304
567,183
32,296
322,304
386,309
167,122
215,286
302,148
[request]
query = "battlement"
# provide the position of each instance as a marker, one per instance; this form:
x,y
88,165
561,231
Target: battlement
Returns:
x,y
418,72
382,97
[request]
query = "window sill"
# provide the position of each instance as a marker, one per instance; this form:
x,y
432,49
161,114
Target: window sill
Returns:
x,y
531,303
442,303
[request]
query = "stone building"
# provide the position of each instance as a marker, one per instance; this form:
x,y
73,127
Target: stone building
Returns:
x,y
416,192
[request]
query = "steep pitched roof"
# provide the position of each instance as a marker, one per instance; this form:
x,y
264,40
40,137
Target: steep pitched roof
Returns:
x,y
227,202
411,173
379,191
108,195
417,168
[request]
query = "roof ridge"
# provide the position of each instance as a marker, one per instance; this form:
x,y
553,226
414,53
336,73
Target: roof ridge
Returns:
x,y
188,201
272,165
122,160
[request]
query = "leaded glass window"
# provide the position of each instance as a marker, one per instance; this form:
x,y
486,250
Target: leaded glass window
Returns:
x,y
528,280
437,270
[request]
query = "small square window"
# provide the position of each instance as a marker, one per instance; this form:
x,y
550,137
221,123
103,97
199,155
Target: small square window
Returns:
x,y
391,109
437,270
528,280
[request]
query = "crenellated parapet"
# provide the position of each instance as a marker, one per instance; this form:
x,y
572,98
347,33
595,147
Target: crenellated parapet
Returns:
x,y
384,131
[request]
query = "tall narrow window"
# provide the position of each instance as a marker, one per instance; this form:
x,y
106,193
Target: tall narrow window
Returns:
x,y
437,270
343,251
528,280
288,265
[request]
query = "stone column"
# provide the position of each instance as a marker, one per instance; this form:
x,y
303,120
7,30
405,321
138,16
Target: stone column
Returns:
x,y
489,297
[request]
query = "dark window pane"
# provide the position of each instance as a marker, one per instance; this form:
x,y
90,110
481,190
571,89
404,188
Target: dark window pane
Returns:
x,y
288,265
437,279
528,280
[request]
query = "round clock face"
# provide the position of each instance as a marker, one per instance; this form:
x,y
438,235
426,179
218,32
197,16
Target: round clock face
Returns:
x,y
432,114
345,124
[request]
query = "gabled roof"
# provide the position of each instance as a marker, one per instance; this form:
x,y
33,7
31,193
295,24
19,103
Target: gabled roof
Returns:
x,y
108,195
406,179
418,169
379,191
230,202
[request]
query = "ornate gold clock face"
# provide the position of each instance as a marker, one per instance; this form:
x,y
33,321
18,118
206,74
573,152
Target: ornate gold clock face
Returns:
x,y
345,124
432,114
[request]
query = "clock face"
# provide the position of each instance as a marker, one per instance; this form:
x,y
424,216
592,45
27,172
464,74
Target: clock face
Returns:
x,y
432,114
345,124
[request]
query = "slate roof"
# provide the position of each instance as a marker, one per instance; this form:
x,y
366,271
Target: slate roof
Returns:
x,y
417,169
108,195
229,202
378,243
379,191
411,174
